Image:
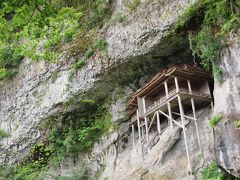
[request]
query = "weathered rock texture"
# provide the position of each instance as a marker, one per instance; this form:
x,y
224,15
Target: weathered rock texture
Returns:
x,y
137,48
167,159
40,89
228,103
118,158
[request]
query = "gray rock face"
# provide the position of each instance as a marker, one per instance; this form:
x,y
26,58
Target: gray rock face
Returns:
x,y
228,92
227,102
40,89
137,48
118,158
167,159
145,27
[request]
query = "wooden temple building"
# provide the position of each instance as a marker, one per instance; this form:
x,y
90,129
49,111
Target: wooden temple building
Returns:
x,y
170,98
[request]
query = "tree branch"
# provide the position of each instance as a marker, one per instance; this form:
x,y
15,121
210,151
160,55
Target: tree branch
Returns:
x,y
41,13
30,19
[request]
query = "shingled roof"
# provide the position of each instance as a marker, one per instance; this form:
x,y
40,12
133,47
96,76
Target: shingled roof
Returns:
x,y
185,71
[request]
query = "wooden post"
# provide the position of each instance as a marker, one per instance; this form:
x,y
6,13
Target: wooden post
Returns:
x,y
194,115
146,124
146,127
144,105
183,122
142,131
184,131
139,129
158,123
133,136
176,84
168,104
139,134
209,91
208,88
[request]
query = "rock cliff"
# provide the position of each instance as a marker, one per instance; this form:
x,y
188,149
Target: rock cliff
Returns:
x,y
137,49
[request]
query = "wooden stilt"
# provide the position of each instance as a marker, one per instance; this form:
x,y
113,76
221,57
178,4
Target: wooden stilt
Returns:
x,y
146,127
146,122
183,123
158,123
139,129
139,133
176,84
184,131
168,104
209,91
144,105
194,115
133,136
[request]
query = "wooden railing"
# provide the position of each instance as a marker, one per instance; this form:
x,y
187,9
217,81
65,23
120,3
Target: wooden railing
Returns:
x,y
172,93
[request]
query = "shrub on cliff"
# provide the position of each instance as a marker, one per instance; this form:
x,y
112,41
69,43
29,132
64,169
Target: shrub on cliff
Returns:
x,y
41,29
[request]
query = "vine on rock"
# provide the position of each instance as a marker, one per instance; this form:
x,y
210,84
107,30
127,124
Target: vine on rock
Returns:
x,y
218,19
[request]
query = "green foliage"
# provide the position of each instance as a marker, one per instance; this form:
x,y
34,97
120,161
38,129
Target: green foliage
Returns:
x,y
81,174
39,29
6,171
30,167
39,155
237,123
215,119
10,58
211,172
222,14
133,5
88,53
100,44
3,134
208,48
118,18
186,16
20,172
34,166
29,172
78,64
219,17
79,130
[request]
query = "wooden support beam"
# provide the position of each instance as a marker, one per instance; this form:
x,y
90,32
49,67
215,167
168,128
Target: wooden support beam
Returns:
x,y
184,131
168,104
139,133
152,121
176,84
208,87
158,123
146,127
139,129
163,113
170,114
187,117
194,116
209,90
162,104
179,124
166,89
172,119
133,136
189,86
142,133
144,105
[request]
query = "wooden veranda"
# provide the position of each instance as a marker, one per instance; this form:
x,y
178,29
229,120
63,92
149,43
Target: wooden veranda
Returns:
x,y
171,93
